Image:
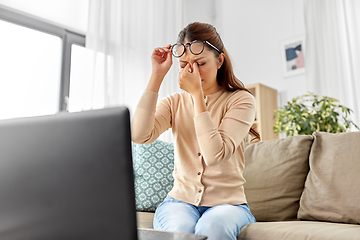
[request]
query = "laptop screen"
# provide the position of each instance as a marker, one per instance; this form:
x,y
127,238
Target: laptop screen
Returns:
x,y
67,176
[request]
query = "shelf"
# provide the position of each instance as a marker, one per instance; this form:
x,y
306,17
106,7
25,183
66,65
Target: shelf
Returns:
x,y
266,104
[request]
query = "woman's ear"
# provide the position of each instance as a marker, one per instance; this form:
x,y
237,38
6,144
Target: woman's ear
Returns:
x,y
221,60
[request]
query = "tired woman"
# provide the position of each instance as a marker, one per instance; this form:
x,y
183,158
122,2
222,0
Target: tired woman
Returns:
x,y
210,120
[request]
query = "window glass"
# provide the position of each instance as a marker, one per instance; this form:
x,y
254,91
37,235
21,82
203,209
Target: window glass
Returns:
x,y
80,77
30,73
86,91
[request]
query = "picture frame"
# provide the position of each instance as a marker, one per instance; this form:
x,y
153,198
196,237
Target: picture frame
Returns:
x,y
293,56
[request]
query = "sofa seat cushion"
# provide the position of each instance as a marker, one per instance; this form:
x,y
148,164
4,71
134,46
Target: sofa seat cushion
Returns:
x,y
275,173
144,219
291,230
332,191
299,230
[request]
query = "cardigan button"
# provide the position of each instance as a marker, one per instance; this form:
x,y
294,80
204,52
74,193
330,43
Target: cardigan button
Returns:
x,y
199,154
199,173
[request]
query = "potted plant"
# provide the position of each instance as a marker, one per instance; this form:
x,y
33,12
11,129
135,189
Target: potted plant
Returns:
x,y
310,113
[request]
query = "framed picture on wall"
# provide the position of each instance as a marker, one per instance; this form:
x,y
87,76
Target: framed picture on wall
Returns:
x,y
292,54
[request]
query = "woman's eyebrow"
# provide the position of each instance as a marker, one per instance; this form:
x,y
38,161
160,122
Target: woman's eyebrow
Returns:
x,y
195,60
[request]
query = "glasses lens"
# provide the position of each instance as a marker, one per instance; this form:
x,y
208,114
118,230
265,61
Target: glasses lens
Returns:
x,y
178,49
197,47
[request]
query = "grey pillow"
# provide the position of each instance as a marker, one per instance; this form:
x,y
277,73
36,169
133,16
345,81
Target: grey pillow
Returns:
x,y
332,190
275,173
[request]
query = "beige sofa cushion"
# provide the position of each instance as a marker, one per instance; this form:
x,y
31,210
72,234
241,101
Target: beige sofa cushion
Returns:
x,y
332,190
299,230
275,174
295,230
144,219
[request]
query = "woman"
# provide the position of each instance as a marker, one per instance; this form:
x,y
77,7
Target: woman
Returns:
x,y
209,122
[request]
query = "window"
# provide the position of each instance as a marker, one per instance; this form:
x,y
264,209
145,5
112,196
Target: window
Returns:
x,y
35,64
81,75
86,76
30,72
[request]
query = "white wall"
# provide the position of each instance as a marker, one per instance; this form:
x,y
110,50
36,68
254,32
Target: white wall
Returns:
x,y
252,31
70,14
199,11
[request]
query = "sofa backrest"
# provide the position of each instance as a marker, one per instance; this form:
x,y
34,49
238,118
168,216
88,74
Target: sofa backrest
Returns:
x,y
305,177
279,184
275,173
332,191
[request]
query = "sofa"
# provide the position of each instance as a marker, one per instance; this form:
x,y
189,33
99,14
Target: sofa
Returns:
x,y
300,187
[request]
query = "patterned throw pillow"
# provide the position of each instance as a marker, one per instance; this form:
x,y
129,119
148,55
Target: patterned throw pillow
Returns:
x,y
153,167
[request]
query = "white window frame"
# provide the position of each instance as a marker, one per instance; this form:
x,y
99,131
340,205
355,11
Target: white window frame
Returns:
x,y
68,38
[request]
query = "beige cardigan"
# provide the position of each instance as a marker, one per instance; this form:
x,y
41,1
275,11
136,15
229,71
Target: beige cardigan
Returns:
x,y
209,147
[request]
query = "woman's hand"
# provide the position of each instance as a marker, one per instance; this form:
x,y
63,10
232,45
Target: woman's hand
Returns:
x,y
190,80
161,61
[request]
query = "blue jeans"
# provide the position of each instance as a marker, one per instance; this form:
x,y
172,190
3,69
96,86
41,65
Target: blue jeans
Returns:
x,y
217,223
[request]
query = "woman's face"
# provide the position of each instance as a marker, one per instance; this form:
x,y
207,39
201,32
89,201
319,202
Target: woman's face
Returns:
x,y
208,65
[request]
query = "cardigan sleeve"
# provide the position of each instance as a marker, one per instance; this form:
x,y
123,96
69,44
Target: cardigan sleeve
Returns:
x,y
150,120
218,143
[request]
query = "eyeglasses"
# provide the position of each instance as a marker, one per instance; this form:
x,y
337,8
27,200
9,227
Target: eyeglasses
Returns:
x,y
196,47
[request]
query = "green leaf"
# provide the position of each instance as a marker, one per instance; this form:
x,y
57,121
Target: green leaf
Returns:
x,y
309,113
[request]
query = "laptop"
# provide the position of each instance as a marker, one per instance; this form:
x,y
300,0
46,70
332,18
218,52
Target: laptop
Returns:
x,y
67,176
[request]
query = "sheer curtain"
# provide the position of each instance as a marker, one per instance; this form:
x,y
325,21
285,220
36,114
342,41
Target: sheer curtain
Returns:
x,y
333,51
122,35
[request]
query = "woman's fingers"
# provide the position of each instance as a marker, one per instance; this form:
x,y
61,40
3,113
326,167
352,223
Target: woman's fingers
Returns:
x,y
161,59
189,78
163,49
190,68
163,52
195,67
158,51
188,72
186,68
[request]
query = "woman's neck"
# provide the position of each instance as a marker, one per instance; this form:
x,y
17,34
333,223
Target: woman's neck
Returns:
x,y
212,90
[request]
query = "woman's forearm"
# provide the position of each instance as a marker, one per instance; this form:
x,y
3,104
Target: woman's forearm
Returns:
x,y
199,104
154,83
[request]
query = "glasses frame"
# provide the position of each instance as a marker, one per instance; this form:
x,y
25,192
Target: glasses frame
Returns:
x,y
184,45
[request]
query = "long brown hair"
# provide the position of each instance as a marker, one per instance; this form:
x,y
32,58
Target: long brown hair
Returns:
x,y
225,75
